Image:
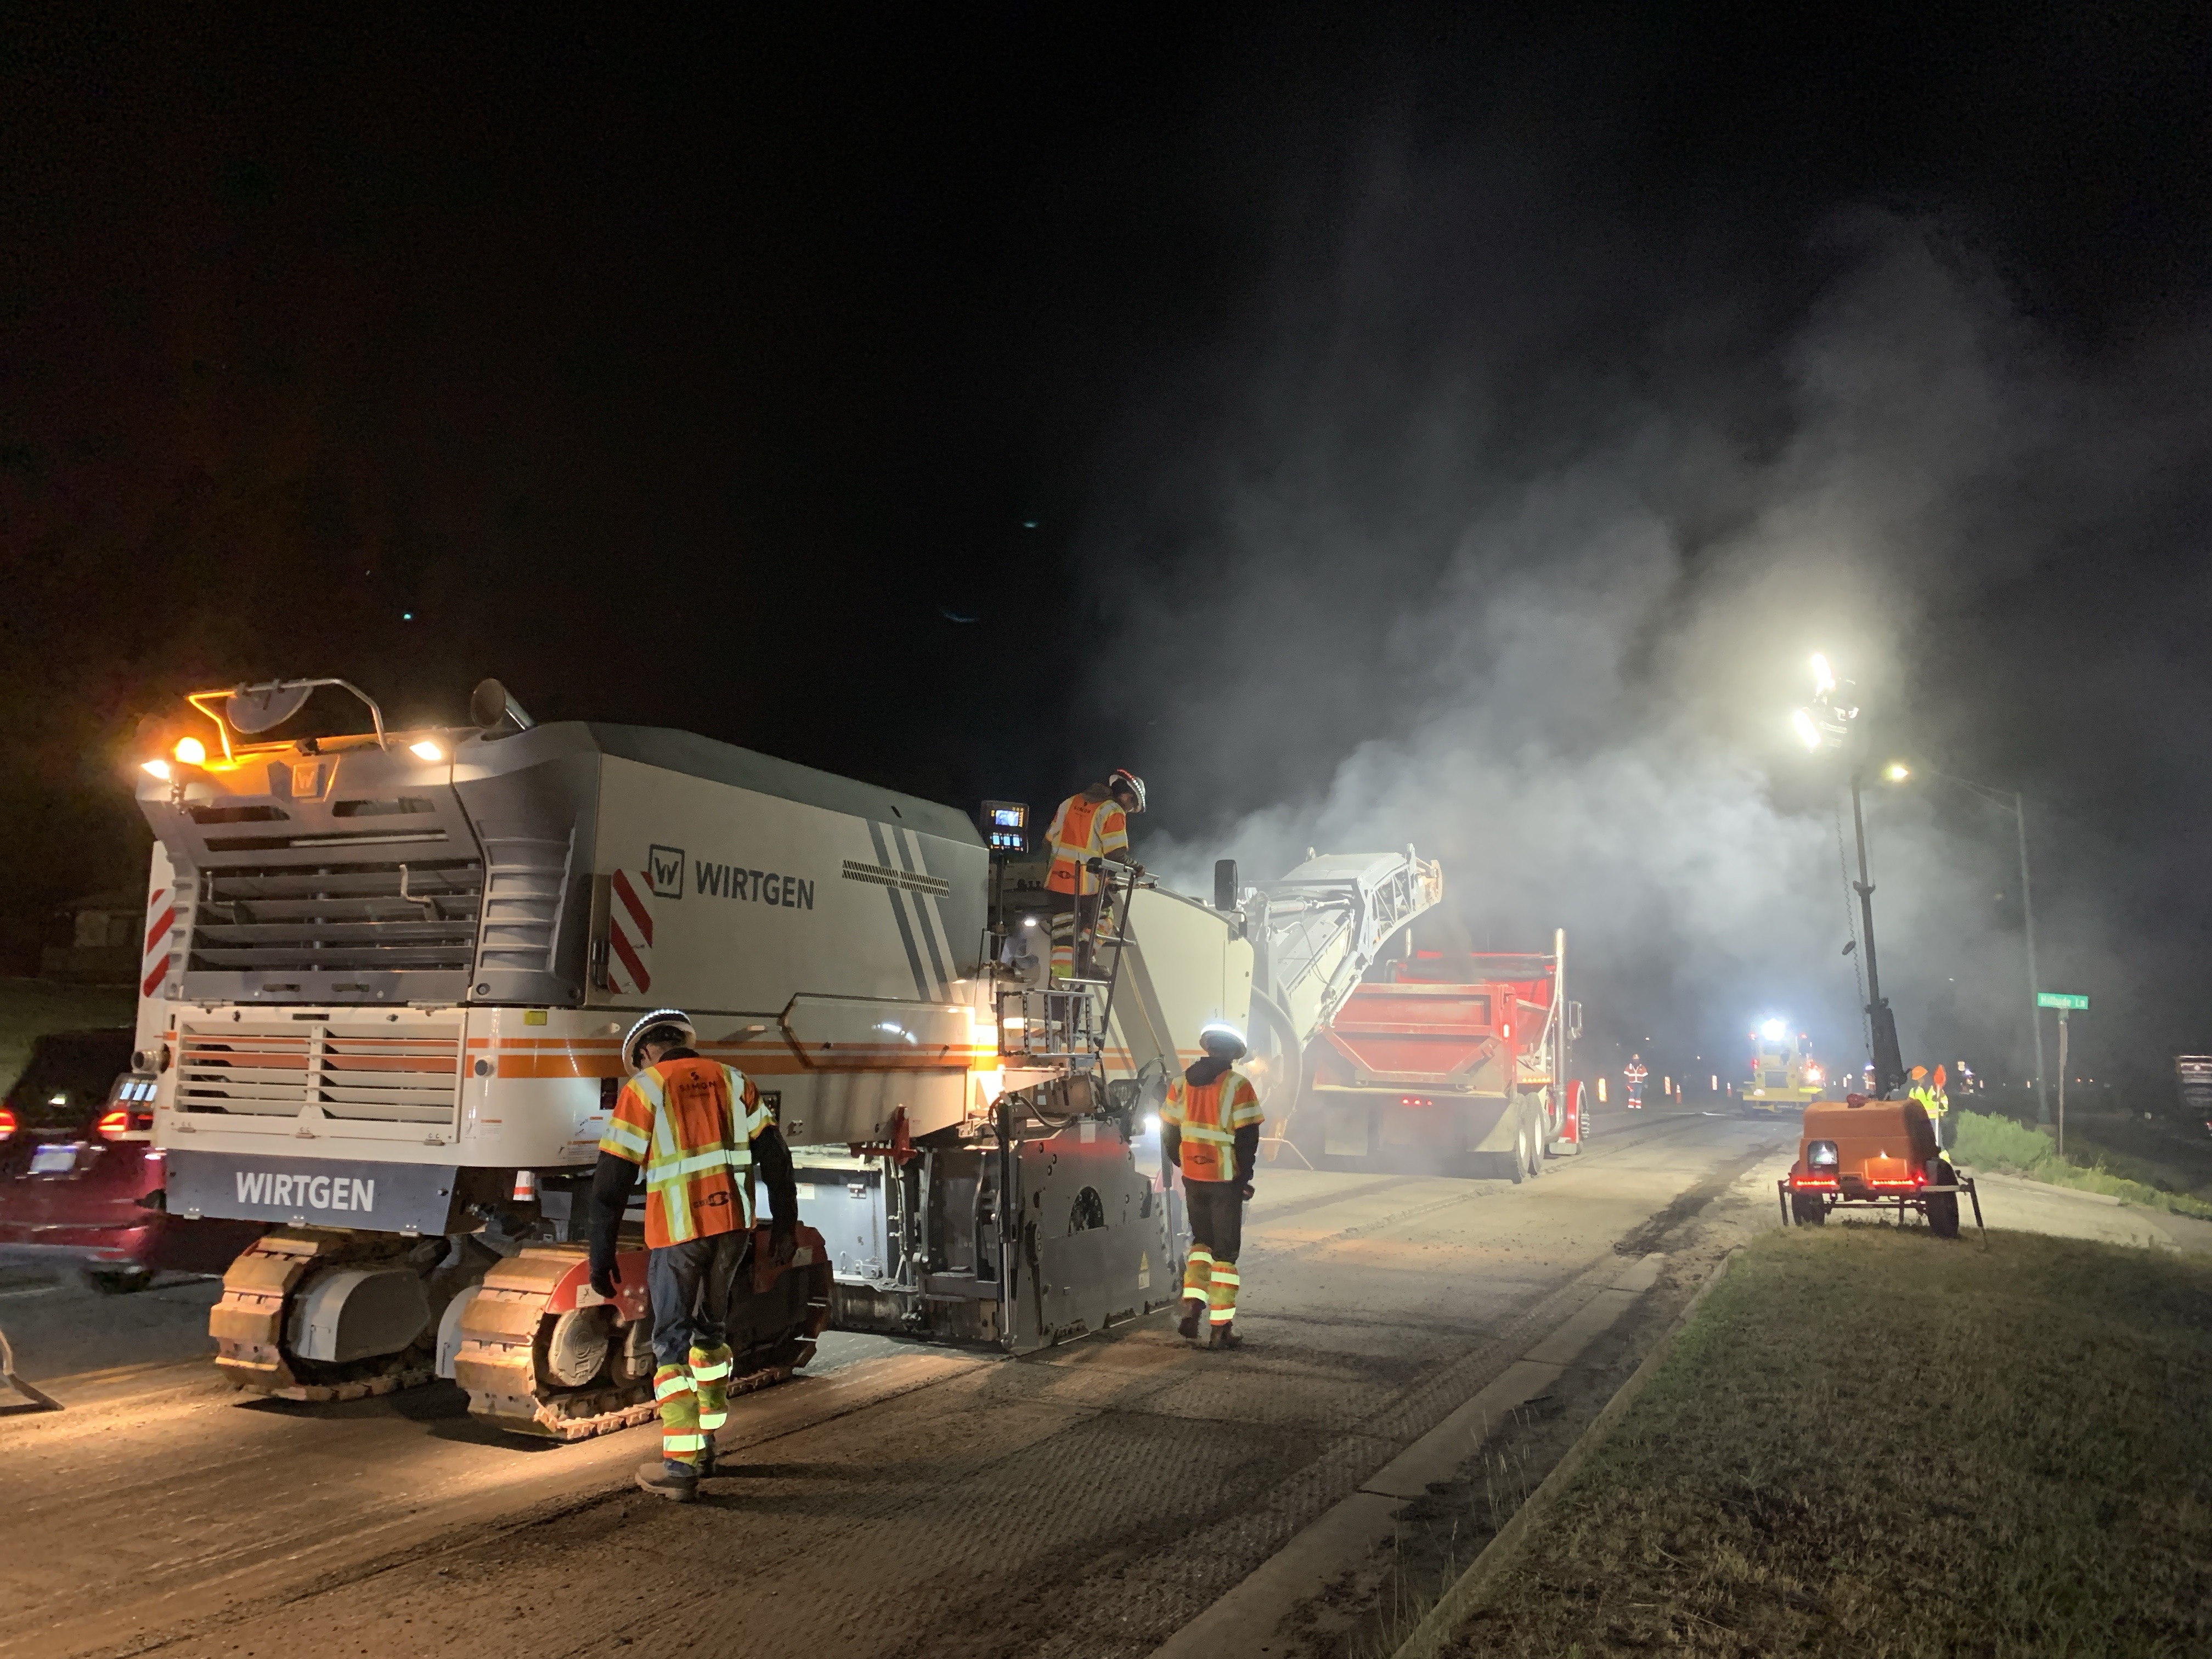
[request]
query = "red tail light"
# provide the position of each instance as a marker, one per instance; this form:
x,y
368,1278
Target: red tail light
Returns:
x,y
113,1125
7,1124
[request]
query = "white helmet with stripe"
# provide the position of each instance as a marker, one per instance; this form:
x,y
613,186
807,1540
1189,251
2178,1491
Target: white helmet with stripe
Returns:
x,y
663,1026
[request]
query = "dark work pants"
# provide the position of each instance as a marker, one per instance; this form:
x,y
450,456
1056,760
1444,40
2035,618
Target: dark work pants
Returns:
x,y
1216,1209
691,1285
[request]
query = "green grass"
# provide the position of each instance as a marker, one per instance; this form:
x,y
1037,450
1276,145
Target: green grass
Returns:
x,y
31,1007
1871,1442
2001,1143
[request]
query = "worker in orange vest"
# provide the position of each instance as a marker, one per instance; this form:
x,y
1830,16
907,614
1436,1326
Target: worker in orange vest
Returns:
x,y
698,1128
1087,829
1209,1130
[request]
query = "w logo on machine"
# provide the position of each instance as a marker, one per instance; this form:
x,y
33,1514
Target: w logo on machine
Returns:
x,y
629,930
664,865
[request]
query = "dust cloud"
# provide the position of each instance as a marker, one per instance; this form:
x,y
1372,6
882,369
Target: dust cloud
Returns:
x,y
1505,537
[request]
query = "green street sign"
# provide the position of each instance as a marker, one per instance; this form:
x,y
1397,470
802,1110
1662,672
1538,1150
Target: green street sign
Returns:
x,y
2061,999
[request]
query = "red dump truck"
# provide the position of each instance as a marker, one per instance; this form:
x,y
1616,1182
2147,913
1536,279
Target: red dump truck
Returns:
x,y
1445,1062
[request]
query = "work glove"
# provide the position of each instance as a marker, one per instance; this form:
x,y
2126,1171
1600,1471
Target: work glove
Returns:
x,y
605,1275
782,1242
1244,1191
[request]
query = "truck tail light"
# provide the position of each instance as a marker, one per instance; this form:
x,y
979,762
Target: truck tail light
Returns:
x,y
7,1124
113,1125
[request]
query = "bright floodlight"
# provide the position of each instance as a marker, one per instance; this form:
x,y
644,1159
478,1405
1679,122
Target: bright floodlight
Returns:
x,y
1823,681
1807,733
1773,1030
427,751
1897,771
159,769
191,751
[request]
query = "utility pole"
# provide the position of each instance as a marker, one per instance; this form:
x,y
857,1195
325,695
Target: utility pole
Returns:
x,y
2012,801
2034,985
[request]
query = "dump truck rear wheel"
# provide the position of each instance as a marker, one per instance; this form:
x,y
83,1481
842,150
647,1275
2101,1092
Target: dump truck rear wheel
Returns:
x,y
1521,1152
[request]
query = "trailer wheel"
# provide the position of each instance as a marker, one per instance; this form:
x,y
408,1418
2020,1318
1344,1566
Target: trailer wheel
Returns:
x,y
1521,1152
1808,1209
1537,1125
1943,1215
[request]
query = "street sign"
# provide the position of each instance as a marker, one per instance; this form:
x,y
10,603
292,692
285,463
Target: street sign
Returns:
x,y
2061,999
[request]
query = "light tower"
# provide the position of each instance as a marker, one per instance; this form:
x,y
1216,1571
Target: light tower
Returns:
x,y
1831,721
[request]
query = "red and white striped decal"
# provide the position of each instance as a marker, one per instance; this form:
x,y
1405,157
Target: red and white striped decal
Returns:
x,y
154,963
629,934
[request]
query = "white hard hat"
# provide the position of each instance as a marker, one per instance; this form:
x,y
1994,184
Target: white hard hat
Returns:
x,y
1220,1033
674,1021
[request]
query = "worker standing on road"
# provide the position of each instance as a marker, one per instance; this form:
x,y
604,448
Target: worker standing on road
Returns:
x,y
698,1128
1088,829
1636,1073
1209,1130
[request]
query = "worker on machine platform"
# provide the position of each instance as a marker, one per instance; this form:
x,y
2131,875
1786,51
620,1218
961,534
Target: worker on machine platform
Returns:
x,y
1209,1130
697,1127
1934,1100
1088,830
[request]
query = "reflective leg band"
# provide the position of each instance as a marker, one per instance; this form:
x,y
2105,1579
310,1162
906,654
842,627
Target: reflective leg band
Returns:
x,y
670,1380
1197,1271
680,1439
1224,1299
710,1369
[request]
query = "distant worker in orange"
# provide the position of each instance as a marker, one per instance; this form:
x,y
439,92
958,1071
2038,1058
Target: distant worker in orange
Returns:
x,y
1209,1130
1636,1071
698,1128
1087,829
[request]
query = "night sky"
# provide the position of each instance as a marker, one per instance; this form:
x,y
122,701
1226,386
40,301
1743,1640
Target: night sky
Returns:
x,y
1385,423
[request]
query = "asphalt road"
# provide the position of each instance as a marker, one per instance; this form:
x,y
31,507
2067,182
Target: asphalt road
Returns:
x,y
905,1501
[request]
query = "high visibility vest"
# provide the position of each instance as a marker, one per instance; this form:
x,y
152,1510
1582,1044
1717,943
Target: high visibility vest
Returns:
x,y
1209,1116
1934,1101
691,1124
1083,830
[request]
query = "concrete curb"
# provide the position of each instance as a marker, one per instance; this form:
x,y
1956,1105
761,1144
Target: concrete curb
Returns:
x,y
1498,1556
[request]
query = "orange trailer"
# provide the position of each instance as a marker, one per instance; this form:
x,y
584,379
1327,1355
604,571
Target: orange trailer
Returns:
x,y
1858,1153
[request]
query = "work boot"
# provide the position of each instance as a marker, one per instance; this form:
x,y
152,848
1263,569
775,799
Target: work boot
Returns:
x,y
707,1469
676,1482
1225,1336
1193,1311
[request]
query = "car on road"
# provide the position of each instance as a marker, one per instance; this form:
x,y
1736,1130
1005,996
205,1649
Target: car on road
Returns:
x,y
81,1184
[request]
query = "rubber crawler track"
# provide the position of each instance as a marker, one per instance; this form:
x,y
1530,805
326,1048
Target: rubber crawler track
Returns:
x,y
503,1331
248,1323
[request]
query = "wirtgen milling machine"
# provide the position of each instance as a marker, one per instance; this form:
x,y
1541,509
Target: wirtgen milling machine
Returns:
x,y
386,980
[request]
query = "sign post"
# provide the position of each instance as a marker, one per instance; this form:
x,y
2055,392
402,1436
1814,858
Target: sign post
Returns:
x,y
2065,1002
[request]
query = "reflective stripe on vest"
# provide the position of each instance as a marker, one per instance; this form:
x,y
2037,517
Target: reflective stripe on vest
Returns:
x,y
1070,846
680,1178
1198,1111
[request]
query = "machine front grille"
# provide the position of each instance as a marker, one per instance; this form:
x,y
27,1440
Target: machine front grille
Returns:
x,y
337,917
276,1068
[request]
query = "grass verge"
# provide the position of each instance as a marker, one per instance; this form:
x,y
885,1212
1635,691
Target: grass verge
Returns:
x,y
1871,1442
31,1007
1999,1144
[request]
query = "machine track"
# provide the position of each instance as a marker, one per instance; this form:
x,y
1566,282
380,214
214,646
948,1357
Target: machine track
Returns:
x,y
542,1355
248,1324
